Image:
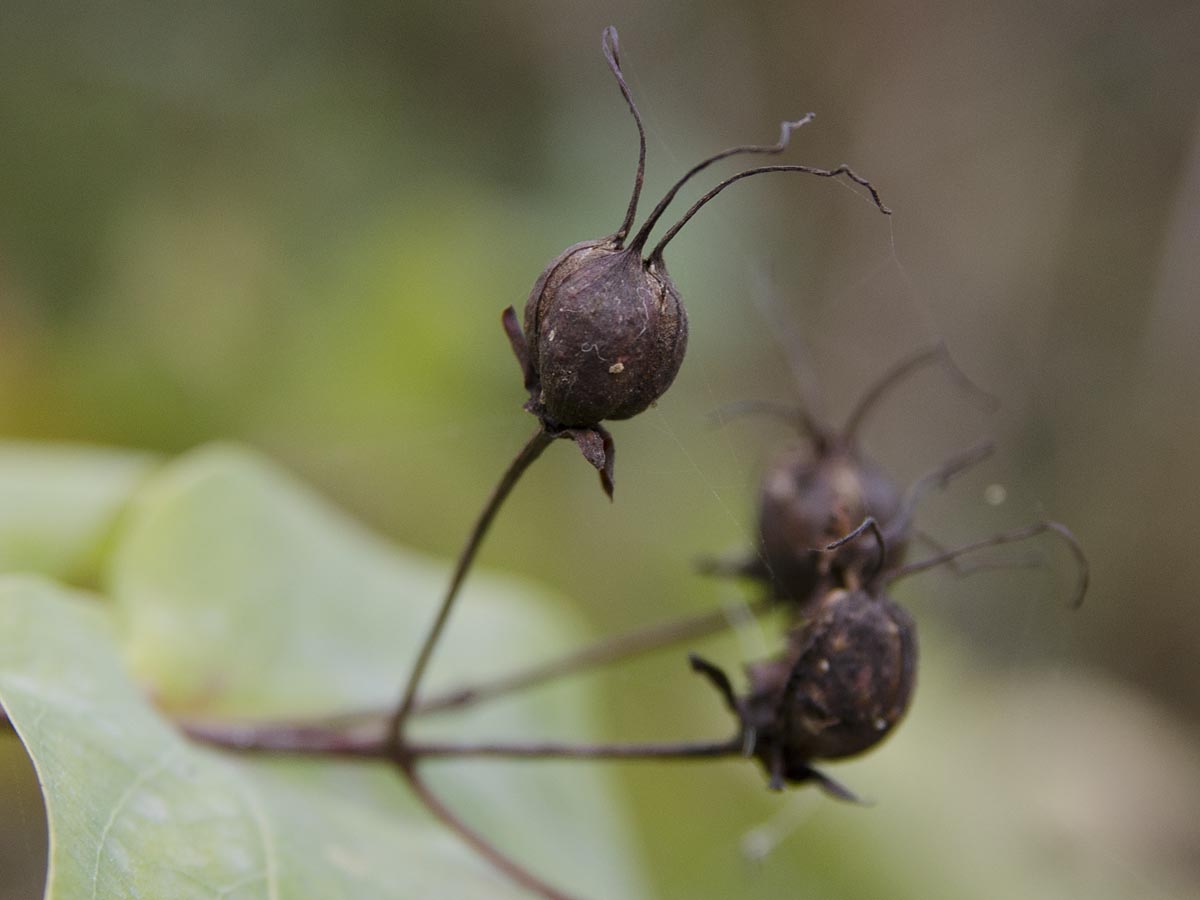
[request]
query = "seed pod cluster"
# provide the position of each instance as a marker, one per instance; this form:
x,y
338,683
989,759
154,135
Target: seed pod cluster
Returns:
x,y
603,336
833,532
846,676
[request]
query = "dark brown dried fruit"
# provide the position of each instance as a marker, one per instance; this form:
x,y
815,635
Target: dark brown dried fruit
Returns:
x,y
847,676
809,500
605,330
607,333
843,685
812,495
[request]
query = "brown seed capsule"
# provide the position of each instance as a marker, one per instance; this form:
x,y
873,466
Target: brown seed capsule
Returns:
x,y
810,496
808,501
847,677
848,674
840,689
605,330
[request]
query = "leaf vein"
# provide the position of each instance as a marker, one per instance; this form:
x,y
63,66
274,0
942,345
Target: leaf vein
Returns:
x,y
142,778
270,855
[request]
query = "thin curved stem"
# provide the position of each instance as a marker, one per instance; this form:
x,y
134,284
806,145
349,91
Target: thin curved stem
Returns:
x,y
797,416
868,524
311,740
937,478
1033,560
604,652
288,739
357,734
483,847
611,48
523,460
657,253
679,750
1083,576
785,137
797,353
896,375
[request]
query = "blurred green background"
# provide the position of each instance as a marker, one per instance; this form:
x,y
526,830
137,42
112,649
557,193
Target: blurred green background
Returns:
x,y
295,225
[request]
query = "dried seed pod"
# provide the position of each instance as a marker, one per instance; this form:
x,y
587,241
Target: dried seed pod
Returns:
x,y
812,495
809,500
844,684
605,330
848,674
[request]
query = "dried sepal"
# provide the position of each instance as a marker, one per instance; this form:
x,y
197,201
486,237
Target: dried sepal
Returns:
x,y
597,447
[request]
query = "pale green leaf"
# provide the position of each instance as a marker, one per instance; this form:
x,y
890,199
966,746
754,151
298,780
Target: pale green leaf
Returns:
x,y
59,503
137,811
240,593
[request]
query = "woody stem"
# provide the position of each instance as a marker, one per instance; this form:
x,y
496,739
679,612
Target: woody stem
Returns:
x,y
316,741
603,652
523,460
481,845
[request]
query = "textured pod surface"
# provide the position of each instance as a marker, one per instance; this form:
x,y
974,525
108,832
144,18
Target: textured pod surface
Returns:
x,y
842,688
807,503
607,334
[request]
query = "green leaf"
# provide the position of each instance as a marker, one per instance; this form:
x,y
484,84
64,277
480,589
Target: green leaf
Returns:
x,y
241,592
237,592
137,811
58,504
